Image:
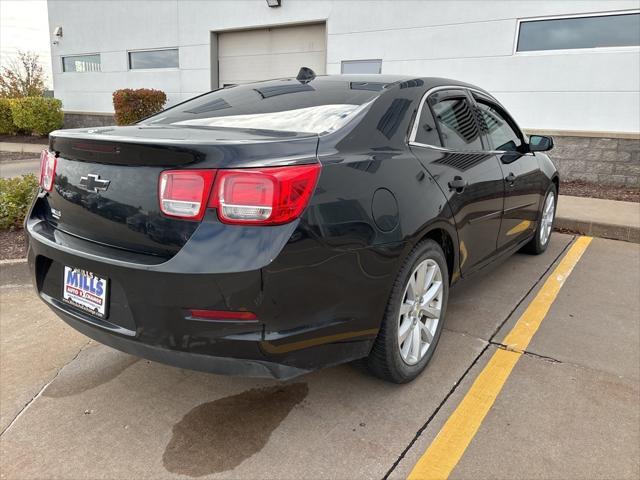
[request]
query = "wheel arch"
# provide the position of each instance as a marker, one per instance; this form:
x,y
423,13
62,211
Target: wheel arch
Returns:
x,y
445,236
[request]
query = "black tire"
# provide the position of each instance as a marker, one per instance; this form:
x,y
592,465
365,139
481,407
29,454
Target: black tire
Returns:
x,y
385,360
537,246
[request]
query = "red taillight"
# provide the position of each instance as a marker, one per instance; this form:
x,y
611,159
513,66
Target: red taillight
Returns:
x,y
184,193
263,196
222,315
47,169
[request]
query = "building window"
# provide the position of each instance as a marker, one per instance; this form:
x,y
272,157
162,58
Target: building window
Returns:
x,y
166,58
598,31
81,63
361,66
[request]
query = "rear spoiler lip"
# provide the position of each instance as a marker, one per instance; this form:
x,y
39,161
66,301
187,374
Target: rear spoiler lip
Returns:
x,y
132,151
89,134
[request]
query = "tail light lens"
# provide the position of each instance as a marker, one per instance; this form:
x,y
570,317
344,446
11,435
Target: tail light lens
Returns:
x,y
47,169
184,193
264,196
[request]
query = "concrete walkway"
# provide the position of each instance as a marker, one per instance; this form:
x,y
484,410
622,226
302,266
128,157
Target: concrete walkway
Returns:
x,y
22,147
599,218
16,168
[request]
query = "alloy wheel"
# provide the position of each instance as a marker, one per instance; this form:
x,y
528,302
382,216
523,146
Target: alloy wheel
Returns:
x,y
420,311
546,222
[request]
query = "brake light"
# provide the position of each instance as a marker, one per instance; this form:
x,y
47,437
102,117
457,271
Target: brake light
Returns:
x,y
47,169
184,193
263,196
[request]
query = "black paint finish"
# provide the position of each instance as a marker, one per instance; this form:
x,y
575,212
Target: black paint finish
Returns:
x,y
318,285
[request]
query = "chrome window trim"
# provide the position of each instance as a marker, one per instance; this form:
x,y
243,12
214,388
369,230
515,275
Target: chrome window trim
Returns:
x,y
426,145
425,96
470,152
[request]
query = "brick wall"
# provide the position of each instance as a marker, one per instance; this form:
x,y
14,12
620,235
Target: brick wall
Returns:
x,y
607,161
85,120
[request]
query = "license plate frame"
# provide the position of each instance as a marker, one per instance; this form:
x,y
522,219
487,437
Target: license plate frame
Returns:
x,y
86,291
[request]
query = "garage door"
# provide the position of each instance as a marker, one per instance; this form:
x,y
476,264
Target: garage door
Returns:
x,y
259,54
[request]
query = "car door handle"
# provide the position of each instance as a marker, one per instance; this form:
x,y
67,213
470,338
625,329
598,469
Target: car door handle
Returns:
x,y
457,184
510,179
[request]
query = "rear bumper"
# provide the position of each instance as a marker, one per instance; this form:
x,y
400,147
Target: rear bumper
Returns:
x,y
182,359
298,330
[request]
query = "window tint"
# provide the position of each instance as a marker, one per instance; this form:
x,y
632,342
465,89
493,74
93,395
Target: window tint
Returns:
x,y
494,124
581,32
361,66
458,128
282,105
154,59
81,63
427,131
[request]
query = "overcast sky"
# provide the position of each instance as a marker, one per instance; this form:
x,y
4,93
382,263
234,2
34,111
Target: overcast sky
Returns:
x,y
24,26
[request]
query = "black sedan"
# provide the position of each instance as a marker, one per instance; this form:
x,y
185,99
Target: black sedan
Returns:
x,y
278,227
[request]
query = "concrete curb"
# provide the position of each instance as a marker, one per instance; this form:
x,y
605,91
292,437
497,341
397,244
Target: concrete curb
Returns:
x,y
602,230
22,147
13,261
599,217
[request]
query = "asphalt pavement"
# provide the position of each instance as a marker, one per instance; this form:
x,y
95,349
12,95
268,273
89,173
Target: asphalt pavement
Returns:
x,y
569,408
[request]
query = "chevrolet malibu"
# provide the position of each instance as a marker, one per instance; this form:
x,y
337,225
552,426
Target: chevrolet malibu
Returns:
x,y
274,228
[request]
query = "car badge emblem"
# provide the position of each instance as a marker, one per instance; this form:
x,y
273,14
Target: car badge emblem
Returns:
x,y
93,183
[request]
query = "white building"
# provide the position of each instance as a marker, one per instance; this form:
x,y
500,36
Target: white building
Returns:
x,y
576,69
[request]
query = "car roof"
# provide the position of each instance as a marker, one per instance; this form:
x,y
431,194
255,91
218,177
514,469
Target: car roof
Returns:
x,y
386,81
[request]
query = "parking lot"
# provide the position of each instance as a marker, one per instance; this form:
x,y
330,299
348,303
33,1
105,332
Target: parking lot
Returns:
x,y
569,408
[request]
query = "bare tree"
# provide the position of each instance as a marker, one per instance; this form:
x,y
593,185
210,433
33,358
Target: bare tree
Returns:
x,y
22,77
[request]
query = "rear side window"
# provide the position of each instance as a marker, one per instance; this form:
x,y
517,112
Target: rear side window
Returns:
x,y
427,132
502,134
458,128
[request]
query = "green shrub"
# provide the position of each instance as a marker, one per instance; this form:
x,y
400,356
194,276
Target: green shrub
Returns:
x,y
16,195
7,126
37,115
132,105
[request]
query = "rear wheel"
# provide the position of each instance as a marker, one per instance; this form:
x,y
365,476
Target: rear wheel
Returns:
x,y
540,241
414,316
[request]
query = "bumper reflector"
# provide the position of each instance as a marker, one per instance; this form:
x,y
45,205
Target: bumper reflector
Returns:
x,y
222,315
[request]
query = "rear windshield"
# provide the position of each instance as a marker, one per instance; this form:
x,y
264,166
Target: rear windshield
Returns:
x,y
282,105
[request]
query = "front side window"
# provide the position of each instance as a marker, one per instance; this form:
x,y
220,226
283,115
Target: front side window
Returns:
x,y
81,63
497,128
167,58
458,128
580,32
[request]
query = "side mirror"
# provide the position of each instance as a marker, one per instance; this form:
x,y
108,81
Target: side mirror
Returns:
x,y
540,143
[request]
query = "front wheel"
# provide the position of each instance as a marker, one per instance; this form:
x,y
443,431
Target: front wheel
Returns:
x,y
414,316
540,241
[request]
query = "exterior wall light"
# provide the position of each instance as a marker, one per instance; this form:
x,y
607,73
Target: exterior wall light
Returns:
x,y
274,3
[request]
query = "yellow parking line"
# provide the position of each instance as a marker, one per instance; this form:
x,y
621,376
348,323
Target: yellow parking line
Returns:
x,y
447,448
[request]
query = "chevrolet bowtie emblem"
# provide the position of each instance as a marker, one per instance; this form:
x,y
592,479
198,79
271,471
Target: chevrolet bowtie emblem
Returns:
x,y
93,183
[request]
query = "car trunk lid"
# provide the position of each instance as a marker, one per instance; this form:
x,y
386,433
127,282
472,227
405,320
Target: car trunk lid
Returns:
x,y
106,182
